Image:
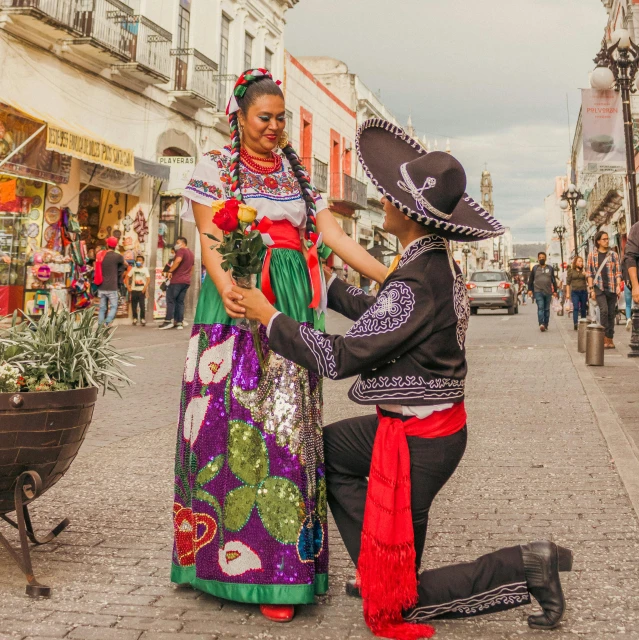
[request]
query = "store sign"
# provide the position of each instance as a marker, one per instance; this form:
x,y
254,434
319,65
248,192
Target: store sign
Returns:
x,y
85,148
603,136
181,171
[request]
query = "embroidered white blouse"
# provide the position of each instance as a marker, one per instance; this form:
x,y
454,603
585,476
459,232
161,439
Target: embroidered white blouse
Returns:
x,y
275,196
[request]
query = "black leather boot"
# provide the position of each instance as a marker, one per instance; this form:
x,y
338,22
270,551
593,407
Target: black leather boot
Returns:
x,y
541,567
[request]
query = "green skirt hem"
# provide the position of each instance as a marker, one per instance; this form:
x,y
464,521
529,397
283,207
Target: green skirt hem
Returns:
x,y
252,593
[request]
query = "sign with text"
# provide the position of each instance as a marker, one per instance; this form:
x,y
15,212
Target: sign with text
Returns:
x,y
603,135
181,171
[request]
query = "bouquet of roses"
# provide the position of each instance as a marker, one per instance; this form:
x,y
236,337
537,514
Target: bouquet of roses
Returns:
x,y
241,248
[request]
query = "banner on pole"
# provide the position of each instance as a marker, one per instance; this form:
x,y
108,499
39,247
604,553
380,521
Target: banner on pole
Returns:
x,y
603,135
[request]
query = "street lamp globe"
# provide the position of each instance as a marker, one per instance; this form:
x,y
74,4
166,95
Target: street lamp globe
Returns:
x,y
572,188
602,79
621,37
581,204
563,204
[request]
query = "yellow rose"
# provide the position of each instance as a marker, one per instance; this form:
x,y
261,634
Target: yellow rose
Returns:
x,y
246,214
217,205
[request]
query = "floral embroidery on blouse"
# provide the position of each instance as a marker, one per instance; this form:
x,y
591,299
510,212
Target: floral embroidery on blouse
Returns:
x,y
205,188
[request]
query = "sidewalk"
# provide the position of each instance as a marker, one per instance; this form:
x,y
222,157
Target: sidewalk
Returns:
x,y
536,466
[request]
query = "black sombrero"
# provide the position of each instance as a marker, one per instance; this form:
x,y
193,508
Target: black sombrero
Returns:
x,y
427,187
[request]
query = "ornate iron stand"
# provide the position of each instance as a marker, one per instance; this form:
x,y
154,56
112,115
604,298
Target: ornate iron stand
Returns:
x,y
28,488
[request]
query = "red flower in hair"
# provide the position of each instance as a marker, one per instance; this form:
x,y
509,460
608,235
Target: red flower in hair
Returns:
x,y
270,182
226,218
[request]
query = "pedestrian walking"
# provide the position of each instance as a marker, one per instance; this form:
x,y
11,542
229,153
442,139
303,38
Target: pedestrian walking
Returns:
x,y
384,470
604,283
179,275
542,286
249,461
109,269
577,290
138,280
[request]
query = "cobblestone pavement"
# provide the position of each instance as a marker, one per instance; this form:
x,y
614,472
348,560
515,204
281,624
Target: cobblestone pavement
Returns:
x,y
536,466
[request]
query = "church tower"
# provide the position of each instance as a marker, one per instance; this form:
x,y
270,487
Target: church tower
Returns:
x,y
487,192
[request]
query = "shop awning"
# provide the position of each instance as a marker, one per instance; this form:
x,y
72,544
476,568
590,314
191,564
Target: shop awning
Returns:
x,y
152,169
73,140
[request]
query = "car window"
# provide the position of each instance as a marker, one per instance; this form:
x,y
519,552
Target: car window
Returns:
x,y
488,276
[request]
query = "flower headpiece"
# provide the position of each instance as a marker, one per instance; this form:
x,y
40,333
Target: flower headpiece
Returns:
x,y
242,85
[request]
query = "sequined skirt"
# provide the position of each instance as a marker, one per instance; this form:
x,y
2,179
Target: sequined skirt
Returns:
x,y
250,515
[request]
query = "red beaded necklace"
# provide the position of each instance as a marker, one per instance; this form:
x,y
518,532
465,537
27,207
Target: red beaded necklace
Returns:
x,y
251,162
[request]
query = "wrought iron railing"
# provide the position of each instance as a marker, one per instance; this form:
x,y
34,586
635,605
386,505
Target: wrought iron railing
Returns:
x,y
195,73
223,88
320,175
61,11
151,46
110,23
354,191
605,198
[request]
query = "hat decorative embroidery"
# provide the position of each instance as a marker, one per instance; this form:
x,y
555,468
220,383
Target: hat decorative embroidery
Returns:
x,y
417,193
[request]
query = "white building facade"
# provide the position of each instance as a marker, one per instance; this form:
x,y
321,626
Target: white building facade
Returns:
x,y
127,91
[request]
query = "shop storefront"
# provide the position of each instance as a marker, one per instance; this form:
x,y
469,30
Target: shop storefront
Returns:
x,y
170,224
62,193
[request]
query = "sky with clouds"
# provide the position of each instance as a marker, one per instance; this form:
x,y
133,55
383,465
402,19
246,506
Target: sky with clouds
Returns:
x,y
494,76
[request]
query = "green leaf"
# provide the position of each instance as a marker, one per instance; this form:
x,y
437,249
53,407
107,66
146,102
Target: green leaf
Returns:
x,y
248,457
281,508
211,236
210,471
238,506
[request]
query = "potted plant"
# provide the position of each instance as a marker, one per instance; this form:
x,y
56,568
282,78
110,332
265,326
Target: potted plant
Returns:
x,y
50,374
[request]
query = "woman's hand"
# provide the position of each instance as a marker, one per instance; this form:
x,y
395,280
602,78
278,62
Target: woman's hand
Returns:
x,y
635,295
229,299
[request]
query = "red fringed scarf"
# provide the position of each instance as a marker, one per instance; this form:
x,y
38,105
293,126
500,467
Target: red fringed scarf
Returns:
x,y
386,569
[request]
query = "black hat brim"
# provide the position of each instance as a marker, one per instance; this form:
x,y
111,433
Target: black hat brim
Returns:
x,y
383,148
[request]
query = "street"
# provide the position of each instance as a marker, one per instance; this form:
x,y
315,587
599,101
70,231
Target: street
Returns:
x,y
537,466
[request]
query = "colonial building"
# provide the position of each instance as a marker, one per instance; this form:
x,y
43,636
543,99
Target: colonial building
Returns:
x,y
124,96
368,217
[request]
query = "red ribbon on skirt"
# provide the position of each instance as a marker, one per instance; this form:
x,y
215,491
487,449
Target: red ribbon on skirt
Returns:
x,y
286,236
386,569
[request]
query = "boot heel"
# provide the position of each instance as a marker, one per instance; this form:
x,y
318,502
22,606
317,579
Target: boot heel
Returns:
x,y
564,559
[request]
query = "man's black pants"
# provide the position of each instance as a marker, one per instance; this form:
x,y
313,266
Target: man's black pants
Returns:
x,y
175,294
607,302
494,582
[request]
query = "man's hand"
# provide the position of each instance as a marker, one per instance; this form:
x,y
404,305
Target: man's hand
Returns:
x,y
6,259
635,295
530,294
229,299
255,304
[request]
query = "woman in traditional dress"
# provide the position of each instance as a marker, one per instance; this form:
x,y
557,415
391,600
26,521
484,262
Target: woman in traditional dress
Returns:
x,y
250,492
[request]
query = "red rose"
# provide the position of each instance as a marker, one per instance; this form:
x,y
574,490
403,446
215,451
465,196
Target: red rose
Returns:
x,y
270,182
226,218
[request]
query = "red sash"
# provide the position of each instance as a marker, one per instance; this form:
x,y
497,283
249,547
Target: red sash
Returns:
x,y
286,236
386,566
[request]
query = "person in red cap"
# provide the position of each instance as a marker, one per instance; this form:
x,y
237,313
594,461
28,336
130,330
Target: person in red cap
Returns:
x,y
109,272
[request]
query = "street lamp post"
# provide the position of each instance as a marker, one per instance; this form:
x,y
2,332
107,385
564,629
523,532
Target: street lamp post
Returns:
x,y
617,67
466,251
572,198
560,232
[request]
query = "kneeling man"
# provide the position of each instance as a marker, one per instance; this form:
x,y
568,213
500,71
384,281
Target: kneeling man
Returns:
x,y
407,348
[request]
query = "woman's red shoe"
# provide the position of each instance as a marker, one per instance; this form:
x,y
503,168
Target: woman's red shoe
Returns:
x,y
278,612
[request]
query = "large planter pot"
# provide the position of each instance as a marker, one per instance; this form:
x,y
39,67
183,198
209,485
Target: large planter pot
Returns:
x,y
40,435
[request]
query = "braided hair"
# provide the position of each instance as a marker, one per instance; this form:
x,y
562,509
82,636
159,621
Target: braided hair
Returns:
x,y
247,90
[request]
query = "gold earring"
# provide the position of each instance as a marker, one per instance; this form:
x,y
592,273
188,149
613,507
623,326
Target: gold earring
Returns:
x,y
283,143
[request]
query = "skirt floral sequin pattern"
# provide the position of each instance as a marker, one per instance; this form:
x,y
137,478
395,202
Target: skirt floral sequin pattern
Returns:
x,y
250,516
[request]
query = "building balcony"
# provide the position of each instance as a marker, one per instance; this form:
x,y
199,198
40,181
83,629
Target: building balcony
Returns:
x,y
224,85
348,192
150,53
194,81
40,19
605,199
318,172
107,31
